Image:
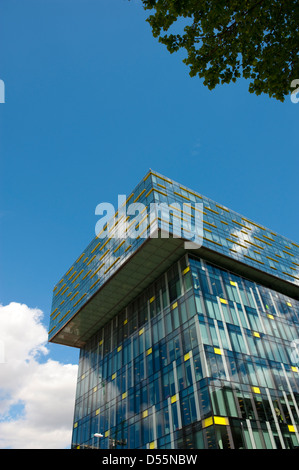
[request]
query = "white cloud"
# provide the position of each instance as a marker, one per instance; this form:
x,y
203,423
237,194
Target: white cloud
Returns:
x,y
37,394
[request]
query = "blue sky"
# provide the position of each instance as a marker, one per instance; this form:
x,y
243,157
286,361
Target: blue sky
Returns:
x,y
92,101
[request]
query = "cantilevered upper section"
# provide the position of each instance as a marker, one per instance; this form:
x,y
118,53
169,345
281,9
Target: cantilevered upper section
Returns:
x,y
112,271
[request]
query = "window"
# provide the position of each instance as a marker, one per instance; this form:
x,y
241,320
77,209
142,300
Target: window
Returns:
x,y
204,331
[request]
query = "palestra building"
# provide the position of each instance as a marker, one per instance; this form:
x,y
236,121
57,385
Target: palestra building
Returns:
x,y
186,315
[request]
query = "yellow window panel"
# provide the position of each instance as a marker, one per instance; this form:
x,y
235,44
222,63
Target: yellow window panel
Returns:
x,y
291,428
94,248
141,331
64,291
104,254
107,433
64,315
60,289
223,301
120,245
90,260
79,300
233,283
57,314
207,422
256,260
211,225
77,275
98,411
289,304
107,241
150,191
186,270
149,351
143,191
218,351
52,329
125,321
223,208
80,257
187,356
145,414
119,348
256,390
75,425
256,334
152,299
72,275
130,197
174,305
94,284
270,316
288,253
111,266
220,420
88,272
74,296
97,270
113,376
212,210
181,195
69,270
149,173
124,395
152,445
295,369
174,398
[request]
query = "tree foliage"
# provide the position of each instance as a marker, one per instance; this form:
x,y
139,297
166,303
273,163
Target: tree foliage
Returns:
x,y
226,40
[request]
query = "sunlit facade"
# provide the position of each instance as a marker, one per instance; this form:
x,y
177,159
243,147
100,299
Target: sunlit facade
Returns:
x,y
184,348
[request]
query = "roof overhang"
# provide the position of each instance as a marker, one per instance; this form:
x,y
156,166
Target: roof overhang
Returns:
x,y
144,266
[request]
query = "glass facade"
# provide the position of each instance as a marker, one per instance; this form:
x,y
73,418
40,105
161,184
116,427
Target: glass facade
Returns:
x,y
183,348
202,359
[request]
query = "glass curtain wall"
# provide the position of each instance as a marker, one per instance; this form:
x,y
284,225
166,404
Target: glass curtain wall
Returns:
x,y
202,359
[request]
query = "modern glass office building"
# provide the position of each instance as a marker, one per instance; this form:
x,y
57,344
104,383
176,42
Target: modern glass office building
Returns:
x,y
183,346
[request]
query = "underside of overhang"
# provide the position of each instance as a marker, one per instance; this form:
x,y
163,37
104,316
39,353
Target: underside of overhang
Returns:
x,y
152,258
